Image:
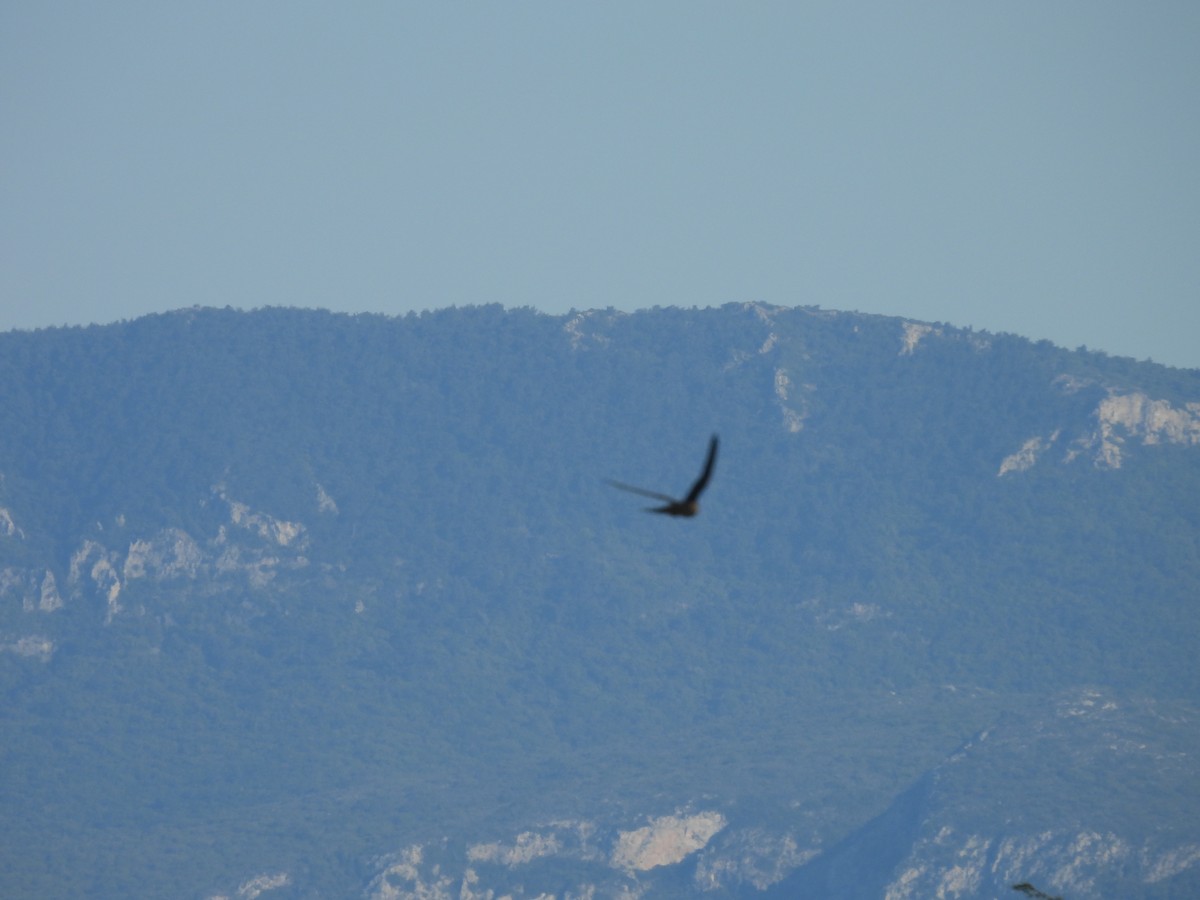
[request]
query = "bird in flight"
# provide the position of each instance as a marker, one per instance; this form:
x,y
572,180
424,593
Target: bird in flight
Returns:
x,y
1026,888
690,504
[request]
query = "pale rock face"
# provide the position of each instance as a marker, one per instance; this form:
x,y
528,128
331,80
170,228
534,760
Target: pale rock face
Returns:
x,y
93,561
50,599
1167,864
402,880
95,570
961,878
1090,854
577,330
903,885
259,885
1137,416
37,589
913,333
1025,458
8,528
258,568
782,386
255,887
771,341
1155,419
325,503
764,314
1087,702
1017,856
493,852
32,647
966,876
1070,384
104,574
528,846
278,531
793,420
173,553
1061,862
665,841
1119,418
752,856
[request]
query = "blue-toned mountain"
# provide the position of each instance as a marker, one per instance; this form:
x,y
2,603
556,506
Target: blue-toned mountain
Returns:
x,y
307,604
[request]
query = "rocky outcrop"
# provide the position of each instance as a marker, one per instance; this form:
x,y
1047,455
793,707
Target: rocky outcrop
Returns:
x,y
693,852
37,589
8,528
172,553
249,544
665,841
1076,864
1119,421
31,646
913,333
1135,417
257,886
1030,452
940,839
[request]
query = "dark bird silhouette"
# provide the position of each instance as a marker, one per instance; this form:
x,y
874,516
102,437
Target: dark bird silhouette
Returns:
x,y
690,504
1026,888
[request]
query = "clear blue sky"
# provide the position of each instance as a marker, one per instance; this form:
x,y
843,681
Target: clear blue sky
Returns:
x,y
1031,167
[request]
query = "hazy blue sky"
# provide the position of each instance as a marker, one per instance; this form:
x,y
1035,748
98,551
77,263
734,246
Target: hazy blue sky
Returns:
x,y
1020,166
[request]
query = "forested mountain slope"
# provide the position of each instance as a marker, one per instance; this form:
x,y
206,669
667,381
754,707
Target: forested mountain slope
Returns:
x,y
327,605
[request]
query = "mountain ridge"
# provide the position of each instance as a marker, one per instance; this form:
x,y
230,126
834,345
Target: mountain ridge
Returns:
x,y
350,585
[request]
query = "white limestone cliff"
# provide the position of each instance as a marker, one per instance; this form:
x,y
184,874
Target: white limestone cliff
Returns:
x,y
665,840
1120,420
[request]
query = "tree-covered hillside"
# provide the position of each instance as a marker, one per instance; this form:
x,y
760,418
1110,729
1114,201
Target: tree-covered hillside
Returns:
x,y
289,590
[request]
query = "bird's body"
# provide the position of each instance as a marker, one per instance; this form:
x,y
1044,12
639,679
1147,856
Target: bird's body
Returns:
x,y
689,505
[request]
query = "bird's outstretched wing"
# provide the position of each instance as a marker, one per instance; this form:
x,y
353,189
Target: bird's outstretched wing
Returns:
x,y
1026,888
654,495
688,506
702,481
